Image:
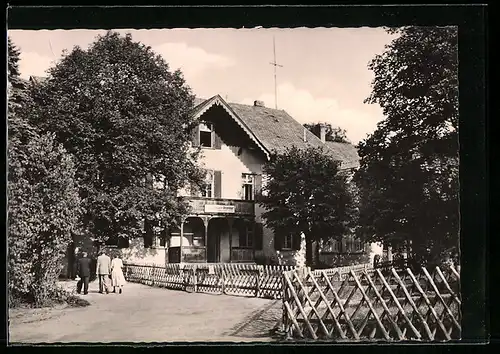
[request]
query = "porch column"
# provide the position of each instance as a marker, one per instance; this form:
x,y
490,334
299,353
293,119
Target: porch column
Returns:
x,y
206,220
254,236
181,256
230,225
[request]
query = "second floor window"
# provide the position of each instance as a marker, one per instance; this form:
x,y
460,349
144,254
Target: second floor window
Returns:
x,y
206,135
207,190
248,186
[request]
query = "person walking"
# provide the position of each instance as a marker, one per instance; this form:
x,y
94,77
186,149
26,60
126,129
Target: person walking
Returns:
x,y
83,271
103,271
117,277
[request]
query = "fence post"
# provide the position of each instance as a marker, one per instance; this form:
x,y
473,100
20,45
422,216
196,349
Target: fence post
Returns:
x,y
195,279
223,278
286,328
257,288
302,274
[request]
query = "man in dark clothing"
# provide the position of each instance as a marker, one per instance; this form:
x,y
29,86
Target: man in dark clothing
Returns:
x,y
83,270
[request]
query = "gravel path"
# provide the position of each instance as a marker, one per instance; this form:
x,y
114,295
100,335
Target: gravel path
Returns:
x,y
148,314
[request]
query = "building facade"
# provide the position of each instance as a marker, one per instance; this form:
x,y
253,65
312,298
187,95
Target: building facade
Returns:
x,y
225,223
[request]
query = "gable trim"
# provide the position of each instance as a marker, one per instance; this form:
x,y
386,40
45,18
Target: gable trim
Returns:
x,y
219,101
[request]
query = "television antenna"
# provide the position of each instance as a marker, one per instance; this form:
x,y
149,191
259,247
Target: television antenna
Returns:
x,y
275,64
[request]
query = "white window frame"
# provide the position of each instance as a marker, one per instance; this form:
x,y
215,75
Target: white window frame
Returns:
x,y
248,179
211,184
288,241
206,127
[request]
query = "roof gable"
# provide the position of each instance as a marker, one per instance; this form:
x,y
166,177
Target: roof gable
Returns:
x,y
204,106
276,130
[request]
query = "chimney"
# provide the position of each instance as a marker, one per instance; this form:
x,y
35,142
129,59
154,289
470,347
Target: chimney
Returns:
x,y
322,133
305,135
258,104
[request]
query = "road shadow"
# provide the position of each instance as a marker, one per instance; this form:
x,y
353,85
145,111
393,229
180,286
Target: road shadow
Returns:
x,y
260,323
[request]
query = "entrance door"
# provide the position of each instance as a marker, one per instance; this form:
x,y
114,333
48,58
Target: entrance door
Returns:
x,y
213,241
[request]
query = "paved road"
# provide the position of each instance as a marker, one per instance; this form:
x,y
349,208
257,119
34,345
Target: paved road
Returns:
x,y
147,314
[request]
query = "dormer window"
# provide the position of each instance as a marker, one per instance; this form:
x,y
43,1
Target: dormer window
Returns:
x,y
206,135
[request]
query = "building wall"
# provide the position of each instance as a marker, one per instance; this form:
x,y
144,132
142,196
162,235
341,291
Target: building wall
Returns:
x,y
374,249
268,250
136,253
232,167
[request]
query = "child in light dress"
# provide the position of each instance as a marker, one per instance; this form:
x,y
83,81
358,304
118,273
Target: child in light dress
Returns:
x,y
117,277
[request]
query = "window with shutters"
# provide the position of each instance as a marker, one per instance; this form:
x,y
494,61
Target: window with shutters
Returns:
x,y
206,132
207,190
160,236
248,186
246,236
288,241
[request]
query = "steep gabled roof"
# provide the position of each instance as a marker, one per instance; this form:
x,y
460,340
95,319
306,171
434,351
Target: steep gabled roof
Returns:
x,y
346,153
277,130
202,107
37,79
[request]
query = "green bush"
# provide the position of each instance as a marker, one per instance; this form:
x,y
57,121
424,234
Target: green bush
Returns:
x,y
329,260
43,211
265,260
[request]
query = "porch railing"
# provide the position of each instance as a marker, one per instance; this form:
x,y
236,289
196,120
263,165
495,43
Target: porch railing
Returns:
x,y
242,254
210,206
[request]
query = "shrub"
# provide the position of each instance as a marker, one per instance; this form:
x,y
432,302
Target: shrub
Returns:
x,y
265,260
329,260
43,211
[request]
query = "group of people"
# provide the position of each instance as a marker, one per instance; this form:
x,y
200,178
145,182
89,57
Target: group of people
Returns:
x,y
109,273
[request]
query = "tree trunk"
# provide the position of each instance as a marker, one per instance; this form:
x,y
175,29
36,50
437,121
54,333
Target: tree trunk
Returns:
x,y
316,253
309,252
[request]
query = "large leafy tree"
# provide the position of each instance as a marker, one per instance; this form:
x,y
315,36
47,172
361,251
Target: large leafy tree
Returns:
x,y
125,117
409,166
305,194
334,134
43,201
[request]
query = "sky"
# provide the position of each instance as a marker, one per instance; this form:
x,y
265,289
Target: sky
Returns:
x,y
324,75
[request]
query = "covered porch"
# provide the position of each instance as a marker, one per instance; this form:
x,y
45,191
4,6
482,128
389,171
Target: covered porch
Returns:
x,y
217,231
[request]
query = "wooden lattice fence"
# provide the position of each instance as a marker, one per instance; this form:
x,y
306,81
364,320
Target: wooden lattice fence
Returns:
x,y
264,281
372,305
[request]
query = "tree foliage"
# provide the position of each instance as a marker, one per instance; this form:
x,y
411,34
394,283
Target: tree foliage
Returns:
x,y
126,118
408,177
43,201
13,59
305,193
334,134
